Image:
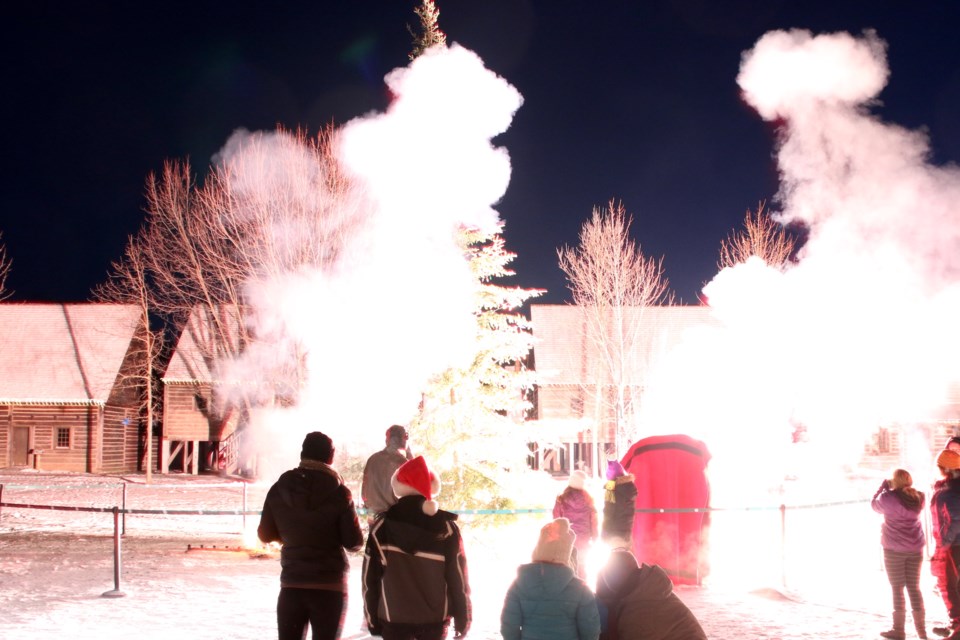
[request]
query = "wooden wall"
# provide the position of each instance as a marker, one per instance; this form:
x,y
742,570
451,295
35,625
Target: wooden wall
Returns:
x,y
43,422
184,418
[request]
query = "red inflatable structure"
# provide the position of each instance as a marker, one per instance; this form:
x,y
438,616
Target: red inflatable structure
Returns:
x,y
670,473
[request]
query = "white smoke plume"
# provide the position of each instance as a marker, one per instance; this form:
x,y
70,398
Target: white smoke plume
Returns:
x,y
393,303
860,332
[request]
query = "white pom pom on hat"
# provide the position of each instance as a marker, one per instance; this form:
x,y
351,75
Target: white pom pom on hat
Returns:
x,y
414,478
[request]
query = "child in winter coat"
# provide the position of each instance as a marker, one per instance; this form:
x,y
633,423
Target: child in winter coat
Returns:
x,y
902,539
547,600
638,603
619,506
576,505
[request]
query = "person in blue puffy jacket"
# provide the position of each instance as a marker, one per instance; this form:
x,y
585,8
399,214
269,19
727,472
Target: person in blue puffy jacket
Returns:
x,y
547,601
902,539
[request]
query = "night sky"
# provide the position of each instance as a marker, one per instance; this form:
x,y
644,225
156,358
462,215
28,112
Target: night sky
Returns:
x,y
635,101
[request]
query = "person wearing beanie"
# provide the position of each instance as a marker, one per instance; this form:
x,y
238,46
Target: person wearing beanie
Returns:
x,y
546,600
375,490
945,524
576,505
902,540
637,602
414,565
619,506
310,512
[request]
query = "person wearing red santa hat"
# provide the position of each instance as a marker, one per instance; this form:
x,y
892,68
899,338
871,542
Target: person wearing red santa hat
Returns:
x,y
414,565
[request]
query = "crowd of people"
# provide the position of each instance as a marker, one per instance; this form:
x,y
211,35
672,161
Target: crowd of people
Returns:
x,y
415,584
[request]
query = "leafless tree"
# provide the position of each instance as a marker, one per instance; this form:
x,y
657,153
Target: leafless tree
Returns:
x,y
5,267
127,284
612,281
277,204
760,236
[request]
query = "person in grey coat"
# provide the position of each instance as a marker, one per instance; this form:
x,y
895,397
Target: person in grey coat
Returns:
x,y
547,601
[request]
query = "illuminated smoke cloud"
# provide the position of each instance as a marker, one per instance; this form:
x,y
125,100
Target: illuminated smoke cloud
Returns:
x,y
393,304
861,331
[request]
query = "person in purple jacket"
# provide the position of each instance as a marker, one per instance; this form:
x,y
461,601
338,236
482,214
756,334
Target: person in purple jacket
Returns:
x,y
902,539
576,505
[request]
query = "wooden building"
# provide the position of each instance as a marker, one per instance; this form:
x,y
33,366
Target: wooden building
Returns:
x,y
574,404
199,425
69,396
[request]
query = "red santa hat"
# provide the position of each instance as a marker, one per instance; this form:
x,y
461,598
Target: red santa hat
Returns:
x,y
414,478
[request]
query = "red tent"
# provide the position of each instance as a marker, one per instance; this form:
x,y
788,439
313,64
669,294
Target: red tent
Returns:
x,y
670,473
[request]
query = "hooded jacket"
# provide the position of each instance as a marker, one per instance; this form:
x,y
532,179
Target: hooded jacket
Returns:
x,y
547,602
945,512
415,569
311,513
576,506
901,530
644,607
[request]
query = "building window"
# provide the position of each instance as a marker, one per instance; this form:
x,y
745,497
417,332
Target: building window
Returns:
x,y
63,437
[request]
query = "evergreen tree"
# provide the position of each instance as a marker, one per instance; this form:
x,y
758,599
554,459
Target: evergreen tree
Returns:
x,y
471,417
430,33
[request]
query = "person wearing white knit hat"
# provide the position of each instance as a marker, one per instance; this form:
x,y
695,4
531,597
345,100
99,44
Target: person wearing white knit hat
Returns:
x,y
547,600
414,565
576,505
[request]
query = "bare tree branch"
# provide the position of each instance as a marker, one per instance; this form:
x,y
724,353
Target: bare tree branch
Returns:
x,y
612,281
6,266
127,284
760,236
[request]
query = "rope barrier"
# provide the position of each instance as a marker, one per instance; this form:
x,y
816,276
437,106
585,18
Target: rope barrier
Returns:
x,y
363,512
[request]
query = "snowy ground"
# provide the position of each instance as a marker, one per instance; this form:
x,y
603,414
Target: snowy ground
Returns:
x,y
55,567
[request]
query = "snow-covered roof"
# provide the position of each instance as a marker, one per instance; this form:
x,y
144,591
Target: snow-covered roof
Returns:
x,y
564,354
192,361
62,353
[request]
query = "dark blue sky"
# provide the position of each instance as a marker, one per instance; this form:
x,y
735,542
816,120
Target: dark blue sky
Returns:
x,y
629,100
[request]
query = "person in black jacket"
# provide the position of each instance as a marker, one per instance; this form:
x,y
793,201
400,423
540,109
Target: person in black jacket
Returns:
x,y
311,513
414,566
619,507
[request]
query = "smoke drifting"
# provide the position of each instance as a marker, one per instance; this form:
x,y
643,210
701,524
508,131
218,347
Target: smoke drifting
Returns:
x,y
860,332
393,301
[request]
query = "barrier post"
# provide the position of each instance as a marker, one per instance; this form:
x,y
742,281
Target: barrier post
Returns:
x,y
783,545
123,501
115,592
244,530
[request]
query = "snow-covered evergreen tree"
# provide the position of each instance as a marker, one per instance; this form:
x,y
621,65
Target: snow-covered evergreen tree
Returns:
x,y
471,417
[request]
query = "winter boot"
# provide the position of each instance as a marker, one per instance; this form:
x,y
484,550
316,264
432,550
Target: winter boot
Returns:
x,y
919,622
899,617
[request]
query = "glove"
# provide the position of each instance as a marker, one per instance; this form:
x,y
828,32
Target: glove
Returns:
x,y
461,632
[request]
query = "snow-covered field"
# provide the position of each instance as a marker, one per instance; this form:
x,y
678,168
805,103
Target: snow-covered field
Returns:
x,y
193,575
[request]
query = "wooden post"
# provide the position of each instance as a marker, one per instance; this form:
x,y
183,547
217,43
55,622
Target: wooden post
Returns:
x,y
783,545
115,592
